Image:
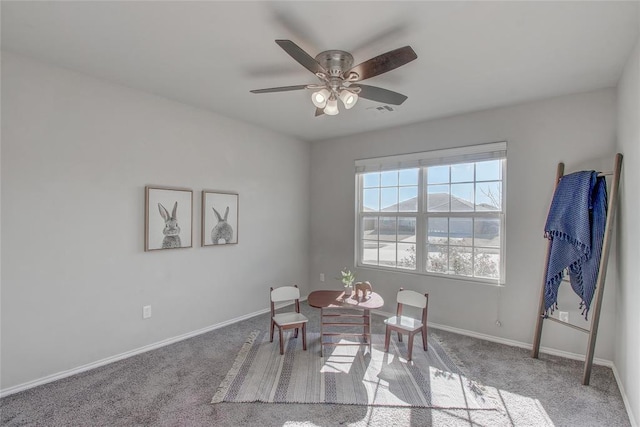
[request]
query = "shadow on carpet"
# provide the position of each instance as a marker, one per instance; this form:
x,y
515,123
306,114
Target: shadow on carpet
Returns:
x,y
350,375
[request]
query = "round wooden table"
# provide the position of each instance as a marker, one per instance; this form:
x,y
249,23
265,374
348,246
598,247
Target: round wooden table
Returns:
x,y
332,305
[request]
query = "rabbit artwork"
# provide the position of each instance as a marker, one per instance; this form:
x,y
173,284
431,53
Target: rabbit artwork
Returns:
x,y
222,230
171,229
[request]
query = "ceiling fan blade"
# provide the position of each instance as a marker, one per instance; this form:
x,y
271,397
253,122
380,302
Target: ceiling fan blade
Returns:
x,y
279,89
378,94
306,60
319,111
383,63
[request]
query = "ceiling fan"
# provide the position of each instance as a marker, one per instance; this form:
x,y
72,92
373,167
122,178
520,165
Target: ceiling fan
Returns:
x,y
339,79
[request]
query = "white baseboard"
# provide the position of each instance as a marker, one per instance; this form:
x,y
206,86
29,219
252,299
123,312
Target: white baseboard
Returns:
x,y
64,374
513,343
625,399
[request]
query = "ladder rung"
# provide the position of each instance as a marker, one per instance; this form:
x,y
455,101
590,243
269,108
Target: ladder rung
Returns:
x,y
571,325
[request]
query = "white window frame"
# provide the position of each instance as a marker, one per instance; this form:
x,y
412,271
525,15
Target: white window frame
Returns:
x,y
468,154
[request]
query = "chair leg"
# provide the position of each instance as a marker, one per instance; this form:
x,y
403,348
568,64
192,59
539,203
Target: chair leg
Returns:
x,y
424,337
399,337
281,343
272,326
410,344
387,337
295,334
304,336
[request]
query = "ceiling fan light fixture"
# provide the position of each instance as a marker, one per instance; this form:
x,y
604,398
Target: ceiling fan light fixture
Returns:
x,y
332,106
320,98
340,79
348,98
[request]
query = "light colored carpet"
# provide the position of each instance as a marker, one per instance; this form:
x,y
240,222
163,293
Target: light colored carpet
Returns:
x,y
349,375
172,386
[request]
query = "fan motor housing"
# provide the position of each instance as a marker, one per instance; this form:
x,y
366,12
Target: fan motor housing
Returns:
x,y
336,62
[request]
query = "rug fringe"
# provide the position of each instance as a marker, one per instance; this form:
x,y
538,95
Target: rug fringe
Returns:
x,y
242,355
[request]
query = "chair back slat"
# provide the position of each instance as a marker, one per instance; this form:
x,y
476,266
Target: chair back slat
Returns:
x,y
285,293
412,298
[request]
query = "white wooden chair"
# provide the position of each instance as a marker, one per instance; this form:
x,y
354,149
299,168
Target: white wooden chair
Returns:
x,y
408,325
288,320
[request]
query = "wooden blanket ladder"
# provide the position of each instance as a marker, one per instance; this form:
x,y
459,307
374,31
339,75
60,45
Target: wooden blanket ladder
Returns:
x,y
602,273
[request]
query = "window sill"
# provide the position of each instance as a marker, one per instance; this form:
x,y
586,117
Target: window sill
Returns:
x,y
461,279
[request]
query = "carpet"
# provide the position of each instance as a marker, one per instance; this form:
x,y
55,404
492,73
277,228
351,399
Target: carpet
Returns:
x,y
349,375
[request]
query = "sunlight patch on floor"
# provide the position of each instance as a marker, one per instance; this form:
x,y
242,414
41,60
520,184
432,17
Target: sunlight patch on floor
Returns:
x,y
520,408
341,358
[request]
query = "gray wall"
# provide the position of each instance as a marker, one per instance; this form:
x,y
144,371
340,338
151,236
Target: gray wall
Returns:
x,y
627,345
77,153
577,129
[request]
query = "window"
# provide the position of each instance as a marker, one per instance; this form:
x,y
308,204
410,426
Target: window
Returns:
x,y
438,212
389,217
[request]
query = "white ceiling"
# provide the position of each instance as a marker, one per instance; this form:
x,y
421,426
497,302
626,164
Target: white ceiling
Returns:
x,y
471,55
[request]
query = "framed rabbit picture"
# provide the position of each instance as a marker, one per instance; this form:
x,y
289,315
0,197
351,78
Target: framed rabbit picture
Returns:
x,y
219,218
168,217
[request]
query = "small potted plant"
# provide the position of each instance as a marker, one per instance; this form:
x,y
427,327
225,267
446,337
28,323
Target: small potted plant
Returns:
x,y
347,278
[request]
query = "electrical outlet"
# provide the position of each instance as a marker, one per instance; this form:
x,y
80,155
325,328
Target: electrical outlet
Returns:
x,y
322,277
146,312
563,316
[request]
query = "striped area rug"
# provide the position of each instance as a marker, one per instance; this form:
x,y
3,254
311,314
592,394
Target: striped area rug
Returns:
x,y
349,375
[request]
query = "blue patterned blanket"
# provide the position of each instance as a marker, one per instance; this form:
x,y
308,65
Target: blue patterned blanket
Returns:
x,y
575,226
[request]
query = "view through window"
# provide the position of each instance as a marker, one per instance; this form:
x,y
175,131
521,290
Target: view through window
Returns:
x,y
445,217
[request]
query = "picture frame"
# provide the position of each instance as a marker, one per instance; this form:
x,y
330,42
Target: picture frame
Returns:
x,y
220,216
168,218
